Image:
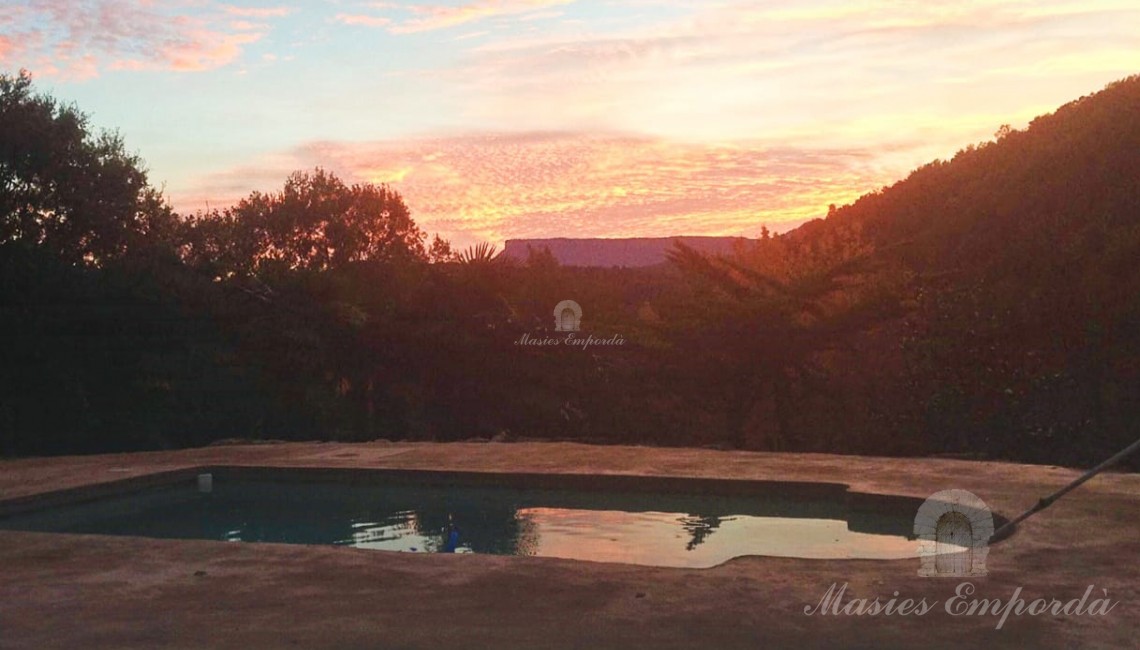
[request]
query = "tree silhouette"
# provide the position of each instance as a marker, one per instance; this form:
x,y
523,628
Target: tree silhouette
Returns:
x,y
315,223
69,190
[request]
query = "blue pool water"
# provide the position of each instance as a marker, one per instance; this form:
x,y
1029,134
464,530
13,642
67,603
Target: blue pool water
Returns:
x,y
662,529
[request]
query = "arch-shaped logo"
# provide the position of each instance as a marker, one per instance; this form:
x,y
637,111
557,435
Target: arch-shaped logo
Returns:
x,y
567,316
954,529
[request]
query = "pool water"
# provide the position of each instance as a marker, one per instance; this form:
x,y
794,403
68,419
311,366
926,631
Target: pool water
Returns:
x,y
663,529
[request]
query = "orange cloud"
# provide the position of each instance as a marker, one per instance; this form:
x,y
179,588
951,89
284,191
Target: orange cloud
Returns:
x,y
499,186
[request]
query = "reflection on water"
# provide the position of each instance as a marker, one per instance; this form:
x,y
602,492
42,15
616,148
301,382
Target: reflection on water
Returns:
x,y
652,529
699,527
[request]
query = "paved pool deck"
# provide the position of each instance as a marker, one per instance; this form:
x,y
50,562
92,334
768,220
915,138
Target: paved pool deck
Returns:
x,y
80,591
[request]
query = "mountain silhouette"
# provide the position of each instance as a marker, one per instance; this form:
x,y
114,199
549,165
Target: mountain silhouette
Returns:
x,y
622,252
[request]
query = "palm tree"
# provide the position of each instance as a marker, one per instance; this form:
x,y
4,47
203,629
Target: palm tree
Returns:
x,y
481,253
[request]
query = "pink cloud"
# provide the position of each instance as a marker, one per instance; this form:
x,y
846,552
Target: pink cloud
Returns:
x,y
79,39
17,37
7,48
208,51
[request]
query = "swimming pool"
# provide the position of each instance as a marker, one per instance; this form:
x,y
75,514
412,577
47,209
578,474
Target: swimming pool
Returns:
x,y
637,520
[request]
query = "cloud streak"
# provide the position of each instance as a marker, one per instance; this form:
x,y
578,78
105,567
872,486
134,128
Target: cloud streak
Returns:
x,y
752,70
417,18
258,12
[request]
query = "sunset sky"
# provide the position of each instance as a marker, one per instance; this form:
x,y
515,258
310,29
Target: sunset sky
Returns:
x,y
503,119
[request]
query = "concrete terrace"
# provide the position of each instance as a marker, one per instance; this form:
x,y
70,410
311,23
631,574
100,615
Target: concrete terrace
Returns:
x,y
77,591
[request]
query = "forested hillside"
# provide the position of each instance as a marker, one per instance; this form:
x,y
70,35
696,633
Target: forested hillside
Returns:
x,y
1021,334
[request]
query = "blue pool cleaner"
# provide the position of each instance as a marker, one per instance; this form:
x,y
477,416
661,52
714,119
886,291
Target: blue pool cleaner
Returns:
x,y
452,542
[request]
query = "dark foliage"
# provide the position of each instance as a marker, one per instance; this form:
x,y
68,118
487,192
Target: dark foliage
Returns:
x,y
987,305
